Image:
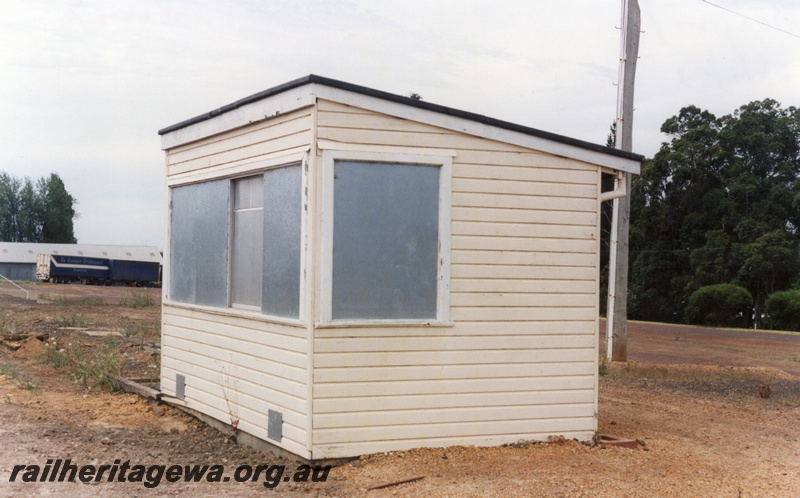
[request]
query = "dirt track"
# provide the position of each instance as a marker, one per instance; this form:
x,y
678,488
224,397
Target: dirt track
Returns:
x,y
705,430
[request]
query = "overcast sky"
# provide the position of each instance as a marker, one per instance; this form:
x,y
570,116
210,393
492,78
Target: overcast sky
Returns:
x,y
86,85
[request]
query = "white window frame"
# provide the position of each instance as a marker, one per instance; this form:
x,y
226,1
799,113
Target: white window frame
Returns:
x,y
232,235
445,165
230,174
256,310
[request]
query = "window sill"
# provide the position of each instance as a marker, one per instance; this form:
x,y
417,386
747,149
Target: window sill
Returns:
x,y
339,324
239,313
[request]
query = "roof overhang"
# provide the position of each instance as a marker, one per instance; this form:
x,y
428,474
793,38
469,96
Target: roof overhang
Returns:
x,y
305,91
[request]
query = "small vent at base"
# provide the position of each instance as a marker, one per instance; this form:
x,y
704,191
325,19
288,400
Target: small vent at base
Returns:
x,y
275,426
180,386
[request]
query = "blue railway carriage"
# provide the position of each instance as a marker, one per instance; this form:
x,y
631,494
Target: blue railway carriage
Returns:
x,y
65,269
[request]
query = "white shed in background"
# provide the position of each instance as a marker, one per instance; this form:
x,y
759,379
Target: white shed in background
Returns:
x,y
350,271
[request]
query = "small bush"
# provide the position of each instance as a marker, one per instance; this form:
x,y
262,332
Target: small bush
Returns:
x,y
132,329
75,320
722,305
139,300
783,310
603,368
7,324
142,330
9,370
23,380
93,368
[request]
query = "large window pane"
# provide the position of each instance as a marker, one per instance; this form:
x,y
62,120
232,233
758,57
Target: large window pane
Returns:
x,y
282,221
385,241
199,244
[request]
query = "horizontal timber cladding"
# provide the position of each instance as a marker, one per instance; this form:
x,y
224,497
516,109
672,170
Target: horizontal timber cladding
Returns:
x,y
519,361
271,137
238,368
520,427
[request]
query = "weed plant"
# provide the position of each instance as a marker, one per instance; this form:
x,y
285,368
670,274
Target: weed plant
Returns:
x,y
96,367
76,320
138,300
22,379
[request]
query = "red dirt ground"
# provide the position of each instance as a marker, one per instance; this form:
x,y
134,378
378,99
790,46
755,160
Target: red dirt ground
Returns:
x,y
689,395
680,344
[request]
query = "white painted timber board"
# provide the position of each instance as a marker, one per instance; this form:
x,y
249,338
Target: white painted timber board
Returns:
x,y
437,359
521,314
232,332
463,429
520,258
385,345
523,201
521,272
198,396
204,368
528,159
465,386
240,168
242,392
232,360
262,132
366,448
522,285
460,400
540,217
465,329
512,187
527,300
453,372
248,153
413,418
523,232
517,243
253,112
527,173
257,323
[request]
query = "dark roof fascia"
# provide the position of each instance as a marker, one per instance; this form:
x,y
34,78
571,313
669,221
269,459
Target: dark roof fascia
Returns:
x,y
421,104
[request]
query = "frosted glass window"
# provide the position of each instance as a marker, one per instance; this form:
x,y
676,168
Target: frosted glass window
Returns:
x,y
248,241
282,222
199,243
385,241
258,219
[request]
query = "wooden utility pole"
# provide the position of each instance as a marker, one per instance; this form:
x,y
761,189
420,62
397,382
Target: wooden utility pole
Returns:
x,y
617,309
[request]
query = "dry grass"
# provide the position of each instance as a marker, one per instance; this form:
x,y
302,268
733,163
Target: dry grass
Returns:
x,y
735,382
92,367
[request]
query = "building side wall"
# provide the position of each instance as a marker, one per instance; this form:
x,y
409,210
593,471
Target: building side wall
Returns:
x,y
239,365
18,271
520,360
238,368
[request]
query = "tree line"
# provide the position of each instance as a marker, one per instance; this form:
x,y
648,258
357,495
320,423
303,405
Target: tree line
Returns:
x,y
41,211
715,220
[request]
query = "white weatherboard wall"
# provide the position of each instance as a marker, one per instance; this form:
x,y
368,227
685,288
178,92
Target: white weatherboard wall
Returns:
x,y
239,365
514,354
519,361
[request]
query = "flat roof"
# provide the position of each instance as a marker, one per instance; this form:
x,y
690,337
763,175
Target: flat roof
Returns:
x,y
421,104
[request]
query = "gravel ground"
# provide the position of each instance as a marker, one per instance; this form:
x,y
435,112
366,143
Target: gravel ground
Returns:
x,y
703,430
